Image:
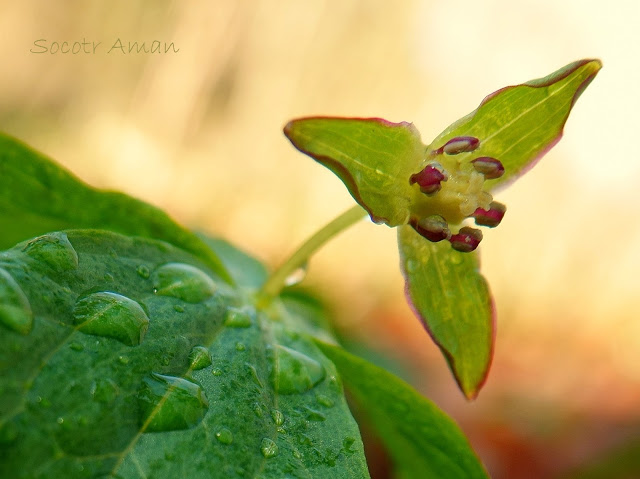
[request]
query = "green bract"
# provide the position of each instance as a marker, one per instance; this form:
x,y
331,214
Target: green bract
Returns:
x,y
429,190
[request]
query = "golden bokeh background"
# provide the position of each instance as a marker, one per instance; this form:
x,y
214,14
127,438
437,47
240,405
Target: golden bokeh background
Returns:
x,y
198,133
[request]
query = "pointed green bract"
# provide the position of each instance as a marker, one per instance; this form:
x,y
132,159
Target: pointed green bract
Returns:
x,y
374,158
423,441
452,299
38,196
519,124
117,378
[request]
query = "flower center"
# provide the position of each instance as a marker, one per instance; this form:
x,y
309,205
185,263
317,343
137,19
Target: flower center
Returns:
x,y
449,189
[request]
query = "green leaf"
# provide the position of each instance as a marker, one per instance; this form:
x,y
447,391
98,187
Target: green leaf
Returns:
x,y
423,440
141,362
38,196
374,158
450,296
519,124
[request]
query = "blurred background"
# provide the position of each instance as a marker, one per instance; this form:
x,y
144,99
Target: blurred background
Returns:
x,y
197,132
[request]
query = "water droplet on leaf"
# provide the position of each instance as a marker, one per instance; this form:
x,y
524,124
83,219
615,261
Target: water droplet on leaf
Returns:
x,y
170,403
297,275
183,281
237,318
323,400
199,358
268,448
76,346
240,347
216,372
224,436
143,271
113,316
53,249
294,372
15,311
178,308
123,360
347,442
278,417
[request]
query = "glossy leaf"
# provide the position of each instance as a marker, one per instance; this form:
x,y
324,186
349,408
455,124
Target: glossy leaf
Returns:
x,y
447,292
203,385
423,441
374,158
38,196
519,124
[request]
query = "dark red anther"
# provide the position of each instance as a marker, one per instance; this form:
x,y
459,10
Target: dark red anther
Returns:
x,y
460,144
466,240
489,167
434,228
491,217
429,179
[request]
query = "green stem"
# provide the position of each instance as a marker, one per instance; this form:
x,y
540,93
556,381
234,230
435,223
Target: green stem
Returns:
x,y
276,282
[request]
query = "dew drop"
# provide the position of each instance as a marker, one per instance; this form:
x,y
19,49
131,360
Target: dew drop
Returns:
x,y
297,454
123,359
297,275
53,249
257,410
104,390
278,417
182,281
347,442
268,448
199,358
178,308
143,271
224,436
237,318
216,372
240,347
76,346
294,372
169,403
15,311
113,316
325,401
108,277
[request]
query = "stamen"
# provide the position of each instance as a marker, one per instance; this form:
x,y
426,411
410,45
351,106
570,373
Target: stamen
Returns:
x,y
466,240
429,178
489,167
491,217
434,228
460,144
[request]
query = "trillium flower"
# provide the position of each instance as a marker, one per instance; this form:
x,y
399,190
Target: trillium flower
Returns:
x,y
432,193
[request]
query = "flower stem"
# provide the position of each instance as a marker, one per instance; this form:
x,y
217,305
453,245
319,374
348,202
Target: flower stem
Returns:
x,y
276,282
